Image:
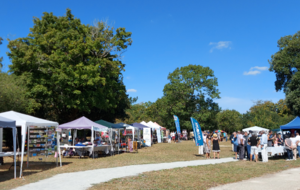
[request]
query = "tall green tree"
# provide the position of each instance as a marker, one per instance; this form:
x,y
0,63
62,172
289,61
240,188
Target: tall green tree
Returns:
x,y
229,120
190,93
72,69
286,64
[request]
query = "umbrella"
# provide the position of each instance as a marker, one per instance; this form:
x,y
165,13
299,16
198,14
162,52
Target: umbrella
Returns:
x,y
219,131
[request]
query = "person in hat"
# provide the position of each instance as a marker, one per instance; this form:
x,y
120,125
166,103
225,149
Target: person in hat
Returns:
x,y
216,147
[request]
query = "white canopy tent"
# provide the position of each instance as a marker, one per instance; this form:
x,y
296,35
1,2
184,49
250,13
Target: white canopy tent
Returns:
x,y
255,129
153,125
157,128
25,121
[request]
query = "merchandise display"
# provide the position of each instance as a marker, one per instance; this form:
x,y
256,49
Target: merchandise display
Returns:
x,y
41,141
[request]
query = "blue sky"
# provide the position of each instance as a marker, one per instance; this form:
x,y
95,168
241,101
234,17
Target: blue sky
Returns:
x,y
234,38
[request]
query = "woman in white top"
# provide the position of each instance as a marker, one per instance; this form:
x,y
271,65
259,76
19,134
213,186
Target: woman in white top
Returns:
x,y
294,146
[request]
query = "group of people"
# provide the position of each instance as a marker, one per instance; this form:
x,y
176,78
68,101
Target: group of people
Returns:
x,y
246,145
173,136
210,144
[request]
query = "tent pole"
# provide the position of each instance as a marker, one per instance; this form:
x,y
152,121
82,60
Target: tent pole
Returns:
x,y
27,147
92,138
14,130
58,146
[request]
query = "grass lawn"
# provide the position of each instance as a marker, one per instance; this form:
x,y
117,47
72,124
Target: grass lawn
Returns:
x,y
199,177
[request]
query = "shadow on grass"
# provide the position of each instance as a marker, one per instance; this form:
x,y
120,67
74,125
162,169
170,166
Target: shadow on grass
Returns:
x,y
7,172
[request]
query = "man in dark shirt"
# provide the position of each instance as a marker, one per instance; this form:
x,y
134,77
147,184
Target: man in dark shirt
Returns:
x,y
254,142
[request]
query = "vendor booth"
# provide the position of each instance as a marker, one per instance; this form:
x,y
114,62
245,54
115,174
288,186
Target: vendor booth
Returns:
x,y
132,136
157,129
144,133
81,147
293,125
162,132
255,129
33,126
7,123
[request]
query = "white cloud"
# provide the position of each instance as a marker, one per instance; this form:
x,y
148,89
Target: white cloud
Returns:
x,y
131,90
252,73
128,78
259,68
220,45
255,70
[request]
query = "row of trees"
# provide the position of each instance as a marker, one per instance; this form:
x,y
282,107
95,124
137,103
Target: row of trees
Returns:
x,y
191,92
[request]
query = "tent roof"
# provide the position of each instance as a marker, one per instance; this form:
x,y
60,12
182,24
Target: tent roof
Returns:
x,y
118,126
140,126
22,119
152,125
255,128
7,123
105,123
163,128
81,123
294,124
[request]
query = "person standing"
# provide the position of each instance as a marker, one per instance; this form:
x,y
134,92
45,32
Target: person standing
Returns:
x,y
204,142
230,138
270,139
241,148
208,146
225,136
294,146
280,140
298,143
254,142
201,146
264,144
288,147
216,147
176,137
235,144
246,137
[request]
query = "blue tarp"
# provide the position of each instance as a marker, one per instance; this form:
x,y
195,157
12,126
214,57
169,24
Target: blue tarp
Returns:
x,y
295,124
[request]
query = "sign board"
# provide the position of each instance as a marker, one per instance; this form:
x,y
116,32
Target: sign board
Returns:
x,y
147,136
158,135
197,132
176,119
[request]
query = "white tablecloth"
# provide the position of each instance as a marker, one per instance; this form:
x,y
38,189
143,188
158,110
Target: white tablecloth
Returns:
x,y
103,148
275,150
6,154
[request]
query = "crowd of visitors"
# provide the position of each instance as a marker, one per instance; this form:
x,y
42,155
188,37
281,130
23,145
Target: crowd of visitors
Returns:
x,y
246,146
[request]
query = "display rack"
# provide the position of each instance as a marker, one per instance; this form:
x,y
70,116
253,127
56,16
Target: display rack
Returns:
x,y
40,141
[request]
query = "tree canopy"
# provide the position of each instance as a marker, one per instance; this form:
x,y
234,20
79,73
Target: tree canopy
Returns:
x,y
72,69
286,63
229,120
189,93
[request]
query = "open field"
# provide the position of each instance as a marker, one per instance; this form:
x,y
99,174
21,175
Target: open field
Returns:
x,y
200,177
158,153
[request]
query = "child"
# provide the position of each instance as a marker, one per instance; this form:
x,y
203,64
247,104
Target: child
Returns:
x,y
275,142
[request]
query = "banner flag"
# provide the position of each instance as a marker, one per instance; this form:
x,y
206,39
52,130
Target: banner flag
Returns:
x,y
177,123
197,132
